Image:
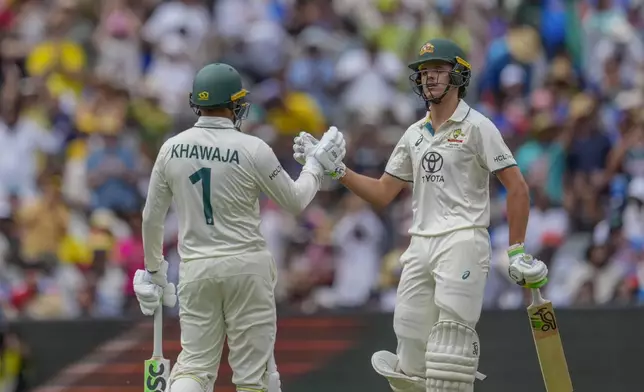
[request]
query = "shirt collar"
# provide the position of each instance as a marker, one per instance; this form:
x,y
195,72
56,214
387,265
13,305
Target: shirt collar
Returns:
x,y
214,122
462,110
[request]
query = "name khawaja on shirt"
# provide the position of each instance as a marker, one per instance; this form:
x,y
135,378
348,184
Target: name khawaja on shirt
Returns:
x,y
205,153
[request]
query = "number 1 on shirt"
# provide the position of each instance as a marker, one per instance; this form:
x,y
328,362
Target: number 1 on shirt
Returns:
x,y
203,175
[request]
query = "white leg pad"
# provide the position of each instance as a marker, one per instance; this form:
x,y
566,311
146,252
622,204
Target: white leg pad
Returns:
x,y
452,357
180,381
386,364
186,384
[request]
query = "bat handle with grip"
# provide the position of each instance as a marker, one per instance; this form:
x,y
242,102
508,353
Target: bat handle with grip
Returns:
x,y
537,299
157,351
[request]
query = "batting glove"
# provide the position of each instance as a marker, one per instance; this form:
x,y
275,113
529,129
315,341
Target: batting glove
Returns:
x,y
303,146
330,152
153,289
525,270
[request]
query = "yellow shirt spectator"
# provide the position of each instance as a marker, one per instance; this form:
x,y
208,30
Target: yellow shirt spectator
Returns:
x,y
11,362
300,112
92,122
44,225
104,111
391,36
74,251
56,60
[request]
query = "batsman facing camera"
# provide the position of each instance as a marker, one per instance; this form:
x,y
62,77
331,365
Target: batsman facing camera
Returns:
x,y
448,156
426,79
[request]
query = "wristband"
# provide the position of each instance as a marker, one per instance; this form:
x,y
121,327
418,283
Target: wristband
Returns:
x,y
339,172
516,249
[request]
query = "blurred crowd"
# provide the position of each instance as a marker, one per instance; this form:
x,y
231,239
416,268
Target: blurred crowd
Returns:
x,y
91,88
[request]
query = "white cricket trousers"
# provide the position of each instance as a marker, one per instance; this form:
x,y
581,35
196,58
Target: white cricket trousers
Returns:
x,y
443,277
229,297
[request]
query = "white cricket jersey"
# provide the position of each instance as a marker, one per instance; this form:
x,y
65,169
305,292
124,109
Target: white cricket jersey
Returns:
x,y
450,171
215,174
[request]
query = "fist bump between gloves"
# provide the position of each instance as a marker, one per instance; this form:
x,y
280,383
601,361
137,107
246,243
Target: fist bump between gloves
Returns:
x,y
152,289
328,151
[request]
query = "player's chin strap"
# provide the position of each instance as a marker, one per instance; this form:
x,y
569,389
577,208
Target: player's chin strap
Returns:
x,y
240,111
439,99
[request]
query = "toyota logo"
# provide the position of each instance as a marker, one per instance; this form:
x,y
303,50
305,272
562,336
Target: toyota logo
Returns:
x,y
432,162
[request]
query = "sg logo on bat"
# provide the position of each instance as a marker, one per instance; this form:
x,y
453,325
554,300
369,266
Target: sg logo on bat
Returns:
x,y
155,376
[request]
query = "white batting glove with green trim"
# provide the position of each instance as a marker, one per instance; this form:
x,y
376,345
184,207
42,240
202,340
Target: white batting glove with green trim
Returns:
x,y
330,152
525,270
303,146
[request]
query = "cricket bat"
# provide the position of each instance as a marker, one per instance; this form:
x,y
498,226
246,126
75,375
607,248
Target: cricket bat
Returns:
x,y
157,368
547,341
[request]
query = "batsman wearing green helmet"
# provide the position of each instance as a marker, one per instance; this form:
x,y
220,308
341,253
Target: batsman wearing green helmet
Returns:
x,y
447,157
445,57
218,88
215,174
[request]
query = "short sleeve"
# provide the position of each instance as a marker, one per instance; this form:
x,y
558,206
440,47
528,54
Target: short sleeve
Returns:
x,y
492,150
399,164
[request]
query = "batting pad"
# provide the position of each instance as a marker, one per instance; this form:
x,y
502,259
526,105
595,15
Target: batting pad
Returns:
x,y
186,384
452,357
385,363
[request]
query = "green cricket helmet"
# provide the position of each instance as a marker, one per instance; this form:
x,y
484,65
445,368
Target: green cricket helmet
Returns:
x,y
218,86
441,50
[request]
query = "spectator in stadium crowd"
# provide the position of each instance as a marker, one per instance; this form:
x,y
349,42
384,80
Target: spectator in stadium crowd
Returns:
x,y
89,90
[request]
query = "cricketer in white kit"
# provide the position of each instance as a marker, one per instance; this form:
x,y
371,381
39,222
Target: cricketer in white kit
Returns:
x,y
214,174
448,156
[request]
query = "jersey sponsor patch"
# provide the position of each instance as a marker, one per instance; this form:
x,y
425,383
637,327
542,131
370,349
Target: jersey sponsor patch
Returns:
x,y
275,172
502,158
432,163
456,138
